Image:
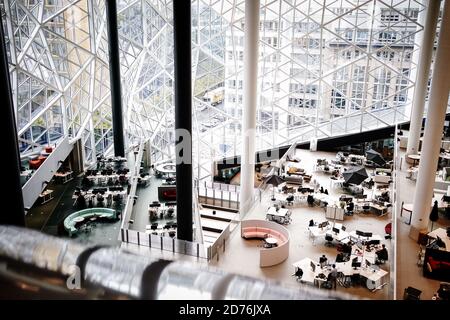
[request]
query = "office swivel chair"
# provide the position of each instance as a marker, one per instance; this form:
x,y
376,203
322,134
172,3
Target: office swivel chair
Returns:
x,y
411,294
329,240
298,274
290,200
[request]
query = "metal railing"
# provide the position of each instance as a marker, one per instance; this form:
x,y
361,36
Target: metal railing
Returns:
x,y
170,244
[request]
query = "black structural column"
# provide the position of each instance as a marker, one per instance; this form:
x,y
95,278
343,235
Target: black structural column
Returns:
x,y
15,214
183,116
114,71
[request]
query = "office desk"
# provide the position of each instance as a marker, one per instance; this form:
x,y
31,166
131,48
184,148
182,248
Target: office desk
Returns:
x,y
323,198
442,233
46,196
355,237
379,209
374,278
64,177
281,215
315,232
342,236
310,276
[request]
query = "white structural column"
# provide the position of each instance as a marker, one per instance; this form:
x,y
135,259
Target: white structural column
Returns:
x,y
251,43
422,75
440,86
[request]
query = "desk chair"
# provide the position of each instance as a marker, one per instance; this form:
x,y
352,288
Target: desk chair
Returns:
x,y
329,240
290,200
411,293
365,208
298,274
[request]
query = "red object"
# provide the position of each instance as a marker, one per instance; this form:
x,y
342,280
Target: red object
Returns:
x,y
170,194
388,228
48,149
36,163
437,264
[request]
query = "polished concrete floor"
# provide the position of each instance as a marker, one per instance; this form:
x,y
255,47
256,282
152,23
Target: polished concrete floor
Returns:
x,y
242,256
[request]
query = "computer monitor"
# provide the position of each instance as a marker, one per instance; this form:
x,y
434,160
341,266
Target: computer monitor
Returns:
x,y
367,234
360,233
359,245
335,230
368,263
313,266
374,242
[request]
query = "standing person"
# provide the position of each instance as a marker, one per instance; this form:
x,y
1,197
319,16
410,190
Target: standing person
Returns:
x,y
323,261
333,276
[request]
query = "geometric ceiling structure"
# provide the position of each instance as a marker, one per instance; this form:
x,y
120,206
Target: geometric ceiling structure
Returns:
x,y
326,68
59,73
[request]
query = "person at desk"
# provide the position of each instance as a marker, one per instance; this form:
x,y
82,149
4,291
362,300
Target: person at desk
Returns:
x,y
350,207
340,257
346,249
323,261
382,255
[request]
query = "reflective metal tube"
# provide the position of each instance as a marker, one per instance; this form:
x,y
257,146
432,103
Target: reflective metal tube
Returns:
x,y
138,277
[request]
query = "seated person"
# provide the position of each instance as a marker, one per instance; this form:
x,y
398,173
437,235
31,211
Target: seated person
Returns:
x,y
382,254
340,257
311,223
346,248
350,206
323,261
298,273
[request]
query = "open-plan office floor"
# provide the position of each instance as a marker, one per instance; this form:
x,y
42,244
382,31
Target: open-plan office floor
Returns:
x,y
242,256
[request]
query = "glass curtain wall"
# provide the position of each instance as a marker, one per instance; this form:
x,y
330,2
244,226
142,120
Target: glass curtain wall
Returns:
x,y
326,68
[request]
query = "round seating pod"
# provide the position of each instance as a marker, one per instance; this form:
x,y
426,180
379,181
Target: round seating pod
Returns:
x,y
262,229
73,221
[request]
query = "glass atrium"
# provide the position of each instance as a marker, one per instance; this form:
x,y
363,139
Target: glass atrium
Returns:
x,y
341,73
